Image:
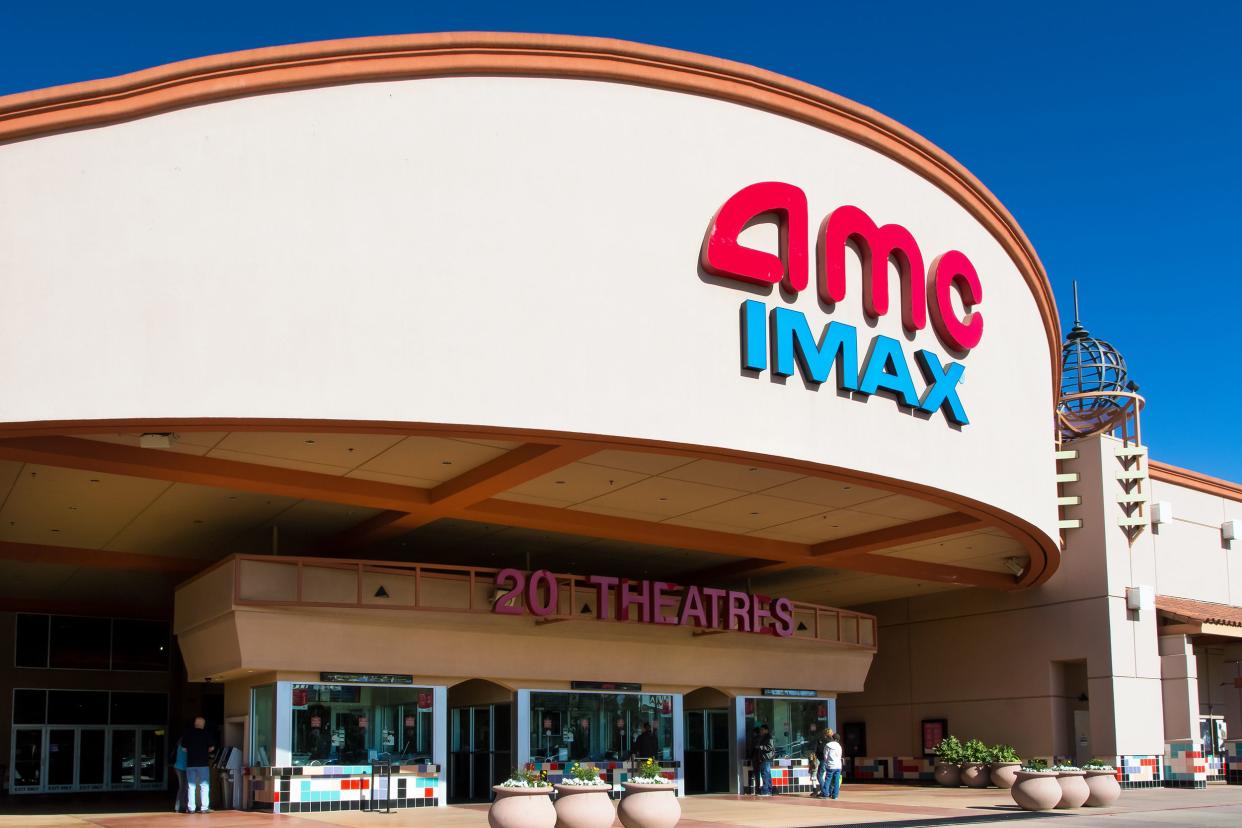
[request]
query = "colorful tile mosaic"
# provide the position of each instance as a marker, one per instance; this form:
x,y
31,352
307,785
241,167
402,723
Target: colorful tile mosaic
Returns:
x,y
1145,771
1185,766
343,788
1233,762
788,776
890,769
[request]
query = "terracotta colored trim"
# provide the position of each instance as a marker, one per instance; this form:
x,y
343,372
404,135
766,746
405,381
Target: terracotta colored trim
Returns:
x,y
1186,478
37,553
37,447
326,63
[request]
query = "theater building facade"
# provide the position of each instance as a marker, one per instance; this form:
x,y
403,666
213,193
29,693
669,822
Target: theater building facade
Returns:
x,y
422,407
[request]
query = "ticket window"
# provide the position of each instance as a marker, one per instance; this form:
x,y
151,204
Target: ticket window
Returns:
x,y
356,724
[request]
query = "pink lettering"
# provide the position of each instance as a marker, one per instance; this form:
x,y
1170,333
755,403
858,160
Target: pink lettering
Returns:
x,y
603,585
759,613
876,245
782,613
662,600
713,596
739,611
954,271
641,599
692,608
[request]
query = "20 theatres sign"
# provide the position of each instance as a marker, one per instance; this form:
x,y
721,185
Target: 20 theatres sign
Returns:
x,y
783,337
648,602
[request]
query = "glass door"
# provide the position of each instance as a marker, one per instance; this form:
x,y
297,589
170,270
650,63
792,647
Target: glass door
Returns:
x,y
479,751
27,759
122,757
61,758
707,751
91,758
151,755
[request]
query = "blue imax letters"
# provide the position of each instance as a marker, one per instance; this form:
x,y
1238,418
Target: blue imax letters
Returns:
x,y
837,349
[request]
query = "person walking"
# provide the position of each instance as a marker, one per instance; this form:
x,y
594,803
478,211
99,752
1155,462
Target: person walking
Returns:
x,y
832,762
810,752
199,746
764,754
178,764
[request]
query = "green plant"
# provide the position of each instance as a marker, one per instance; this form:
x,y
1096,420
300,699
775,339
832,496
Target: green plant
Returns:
x,y
1097,764
975,751
949,751
587,774
1001,754
527,777
1036,765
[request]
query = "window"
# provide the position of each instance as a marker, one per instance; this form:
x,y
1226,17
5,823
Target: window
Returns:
x,y
67,707
80,643
139,708
262,726
31,644
600,726
349,724
139,645
29,706
788,720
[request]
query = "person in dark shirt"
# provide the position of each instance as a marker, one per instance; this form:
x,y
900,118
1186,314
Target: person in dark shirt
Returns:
x,y
645,744
199,746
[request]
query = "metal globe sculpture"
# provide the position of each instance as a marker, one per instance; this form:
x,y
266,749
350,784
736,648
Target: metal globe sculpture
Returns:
x,y
1097,393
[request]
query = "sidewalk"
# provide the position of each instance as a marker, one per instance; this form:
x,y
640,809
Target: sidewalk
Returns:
x,y
863,805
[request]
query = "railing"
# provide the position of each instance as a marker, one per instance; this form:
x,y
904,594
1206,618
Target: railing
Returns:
x,y
269,581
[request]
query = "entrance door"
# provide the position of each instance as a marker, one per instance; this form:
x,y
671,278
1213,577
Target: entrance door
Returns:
x,y
480,751
707,751
61,758
92,760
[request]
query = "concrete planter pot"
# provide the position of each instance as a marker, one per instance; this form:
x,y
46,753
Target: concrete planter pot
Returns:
x,y
975,775
649,805
584,806
948,775
521,808
1074,790
1104,788
1035,791
1003,774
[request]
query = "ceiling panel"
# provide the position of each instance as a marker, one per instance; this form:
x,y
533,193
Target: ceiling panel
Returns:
x,y
9,470
432,458
68,507
754,511
900,506
193,442
731,475
659,497
637,461
345,451
840,523
830,493
573,484
193,521
395,479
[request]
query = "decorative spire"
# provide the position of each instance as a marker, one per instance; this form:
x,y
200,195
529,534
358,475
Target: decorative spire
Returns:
x,y
1078,331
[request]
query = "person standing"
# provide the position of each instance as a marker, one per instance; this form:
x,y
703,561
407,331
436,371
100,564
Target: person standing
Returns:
x,y
832,762
199,746
764,754
811,752
179,757
645,744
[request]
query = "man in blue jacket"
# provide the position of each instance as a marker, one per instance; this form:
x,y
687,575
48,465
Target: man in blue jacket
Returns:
x,y
199,746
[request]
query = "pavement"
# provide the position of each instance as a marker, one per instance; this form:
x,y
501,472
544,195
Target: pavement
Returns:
x,y
861,805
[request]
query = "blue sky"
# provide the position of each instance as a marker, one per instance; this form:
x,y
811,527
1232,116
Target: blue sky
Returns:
x,y
1112,131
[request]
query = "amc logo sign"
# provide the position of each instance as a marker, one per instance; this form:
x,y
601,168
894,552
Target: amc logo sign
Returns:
x,y
785,334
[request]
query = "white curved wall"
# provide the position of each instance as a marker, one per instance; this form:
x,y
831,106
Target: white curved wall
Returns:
x,y
497,251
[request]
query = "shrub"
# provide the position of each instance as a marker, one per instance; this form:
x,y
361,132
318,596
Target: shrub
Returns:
x,y
949,751
1003,753
975,751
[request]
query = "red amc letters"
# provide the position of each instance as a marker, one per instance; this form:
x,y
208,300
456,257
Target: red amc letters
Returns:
x,y
723,256
652,602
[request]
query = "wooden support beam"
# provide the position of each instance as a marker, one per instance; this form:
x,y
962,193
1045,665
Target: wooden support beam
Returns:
x,y
35,553
526,462
954,523
154,464
923,571
731,571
